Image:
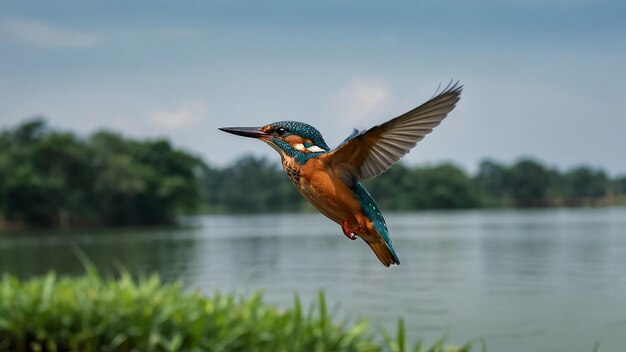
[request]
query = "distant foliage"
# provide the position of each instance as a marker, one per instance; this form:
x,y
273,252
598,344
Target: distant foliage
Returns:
x,y
443,186
528,183
259,185
251,185
91,313
57,179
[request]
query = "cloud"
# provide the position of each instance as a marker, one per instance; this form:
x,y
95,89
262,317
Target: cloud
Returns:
x,y
184,116
46,35
362,98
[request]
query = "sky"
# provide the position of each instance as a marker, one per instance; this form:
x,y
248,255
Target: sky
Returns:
x,y
543,79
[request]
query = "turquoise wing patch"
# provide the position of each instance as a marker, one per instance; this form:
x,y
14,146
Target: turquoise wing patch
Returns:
x,y
371,210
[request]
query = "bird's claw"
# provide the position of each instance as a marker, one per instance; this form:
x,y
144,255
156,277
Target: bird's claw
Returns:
x,y
348,234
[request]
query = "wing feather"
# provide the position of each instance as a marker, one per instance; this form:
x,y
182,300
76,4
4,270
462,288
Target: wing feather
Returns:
x,y
370,153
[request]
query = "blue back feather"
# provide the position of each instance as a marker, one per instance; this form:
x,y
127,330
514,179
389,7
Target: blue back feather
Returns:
x,y
354,133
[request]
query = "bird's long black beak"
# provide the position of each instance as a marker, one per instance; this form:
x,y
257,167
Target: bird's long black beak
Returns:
x,y
253,132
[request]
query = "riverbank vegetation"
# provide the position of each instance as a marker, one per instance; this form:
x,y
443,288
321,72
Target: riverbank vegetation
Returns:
x,y
53,178
91,313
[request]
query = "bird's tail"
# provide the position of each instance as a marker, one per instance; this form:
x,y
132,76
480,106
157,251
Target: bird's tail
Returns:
x,y
384,252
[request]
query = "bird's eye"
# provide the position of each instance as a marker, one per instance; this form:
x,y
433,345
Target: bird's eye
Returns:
x,y
280,131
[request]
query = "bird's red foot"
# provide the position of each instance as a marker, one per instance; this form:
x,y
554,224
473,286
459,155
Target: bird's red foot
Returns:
x,y
347,231
348,234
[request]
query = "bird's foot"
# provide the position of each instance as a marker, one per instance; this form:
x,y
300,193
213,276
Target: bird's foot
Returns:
x,y
348,231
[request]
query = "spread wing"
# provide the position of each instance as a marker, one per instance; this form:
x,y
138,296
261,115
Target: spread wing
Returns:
x,y
370,153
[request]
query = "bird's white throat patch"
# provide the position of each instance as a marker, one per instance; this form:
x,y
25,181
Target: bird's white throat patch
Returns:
x,y
313,149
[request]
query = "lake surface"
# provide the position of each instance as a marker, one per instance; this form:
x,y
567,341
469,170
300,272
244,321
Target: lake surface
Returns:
x,y
524,280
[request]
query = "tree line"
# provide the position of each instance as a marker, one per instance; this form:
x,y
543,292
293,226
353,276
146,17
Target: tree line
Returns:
x,y
259,185
54,178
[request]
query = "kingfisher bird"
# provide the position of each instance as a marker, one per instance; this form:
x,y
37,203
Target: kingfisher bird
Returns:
x,y
331,179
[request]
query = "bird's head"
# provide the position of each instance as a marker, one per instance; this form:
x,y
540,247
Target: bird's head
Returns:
x,y
290,138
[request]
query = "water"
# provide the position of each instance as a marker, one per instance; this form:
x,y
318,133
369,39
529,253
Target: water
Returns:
x,y
524,280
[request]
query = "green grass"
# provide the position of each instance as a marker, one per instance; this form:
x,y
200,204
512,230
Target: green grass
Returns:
x,y
92,313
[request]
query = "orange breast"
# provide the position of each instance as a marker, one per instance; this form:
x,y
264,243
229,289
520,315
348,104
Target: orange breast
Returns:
x,y
333,198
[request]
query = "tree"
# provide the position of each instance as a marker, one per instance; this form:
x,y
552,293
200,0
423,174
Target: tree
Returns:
x,y
585,183
55,178
528,182
491,183
252,185
443,186
389,190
